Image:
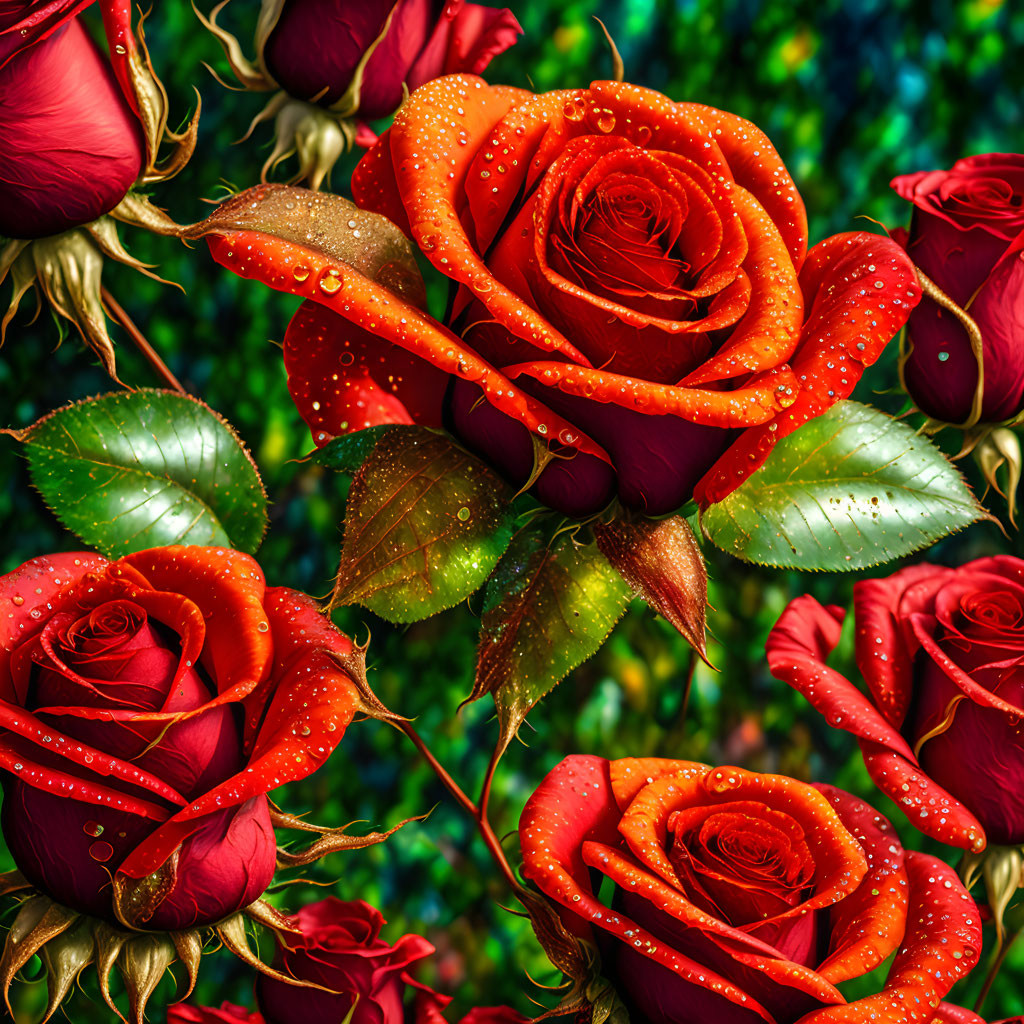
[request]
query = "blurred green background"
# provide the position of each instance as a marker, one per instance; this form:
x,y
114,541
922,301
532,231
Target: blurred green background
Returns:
x,y
851,93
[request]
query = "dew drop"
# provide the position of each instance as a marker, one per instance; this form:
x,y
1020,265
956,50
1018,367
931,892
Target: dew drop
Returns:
x,y
463,513
101,851
92,828
18,600
300,273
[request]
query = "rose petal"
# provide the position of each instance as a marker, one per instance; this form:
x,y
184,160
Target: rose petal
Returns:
x,y
434,137
928,806
313,700
367,304
882,658
343,378
797,647
941,946
227,587
858,290
30,593
950,1014
869,924
24,24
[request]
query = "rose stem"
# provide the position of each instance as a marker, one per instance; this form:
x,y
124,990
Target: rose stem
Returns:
x,y
139,338
490,839
485,790
1001,953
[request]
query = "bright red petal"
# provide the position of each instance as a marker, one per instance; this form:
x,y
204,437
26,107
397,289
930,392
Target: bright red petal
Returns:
x,y
868,925
942,944
374,308
343,378
797,647
858,291
311,701
29,594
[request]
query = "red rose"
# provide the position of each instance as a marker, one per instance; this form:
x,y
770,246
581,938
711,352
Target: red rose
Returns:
x,y
316,45
341,949
632,290
70,144
183,1013
147,706
966,235
716,894
939,725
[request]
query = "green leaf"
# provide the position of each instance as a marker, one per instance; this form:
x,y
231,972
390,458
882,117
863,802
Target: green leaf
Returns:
x,y
141,469
548,607
347,453
426,523
850,489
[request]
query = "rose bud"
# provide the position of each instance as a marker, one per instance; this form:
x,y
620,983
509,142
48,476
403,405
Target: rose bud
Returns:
x,y
70,145
147,706
721,895
939,722
78,130
964,363
963,236
635,316
335,60
339,947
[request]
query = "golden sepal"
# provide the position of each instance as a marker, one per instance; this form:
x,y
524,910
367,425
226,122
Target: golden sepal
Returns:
x,y
1000,447
1002,870
152,103
67,270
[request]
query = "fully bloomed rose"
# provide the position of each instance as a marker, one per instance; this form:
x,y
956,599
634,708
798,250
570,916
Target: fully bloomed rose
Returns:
x,y
316,46
942,653
631,288
720,895
71,144
340,948
147,706
966,235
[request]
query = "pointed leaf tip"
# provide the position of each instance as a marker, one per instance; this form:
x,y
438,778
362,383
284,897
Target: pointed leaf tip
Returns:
x,y
848,490
661,560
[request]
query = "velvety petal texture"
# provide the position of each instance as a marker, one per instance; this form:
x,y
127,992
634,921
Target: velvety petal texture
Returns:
x,y
941,651
720,894
632,291
317,45
147,706
966,234
70,144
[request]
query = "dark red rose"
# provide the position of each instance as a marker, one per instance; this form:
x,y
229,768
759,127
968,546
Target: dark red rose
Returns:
x,y
341,949
228,1013
146,707
316,46
632,292
70,144
720,895
942,654
966,235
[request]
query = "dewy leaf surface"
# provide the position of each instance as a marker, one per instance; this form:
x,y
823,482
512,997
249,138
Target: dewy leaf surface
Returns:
x,y
141,469
549,606
426,523
850,489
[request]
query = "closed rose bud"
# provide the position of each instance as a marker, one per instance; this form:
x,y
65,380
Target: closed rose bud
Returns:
x,y
963,236
317,45
70,145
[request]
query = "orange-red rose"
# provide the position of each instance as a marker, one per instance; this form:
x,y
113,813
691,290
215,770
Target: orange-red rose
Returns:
x,y
147,706
717,894
630,286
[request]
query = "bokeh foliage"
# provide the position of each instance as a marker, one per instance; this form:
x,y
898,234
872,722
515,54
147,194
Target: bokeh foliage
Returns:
x,y
852,92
